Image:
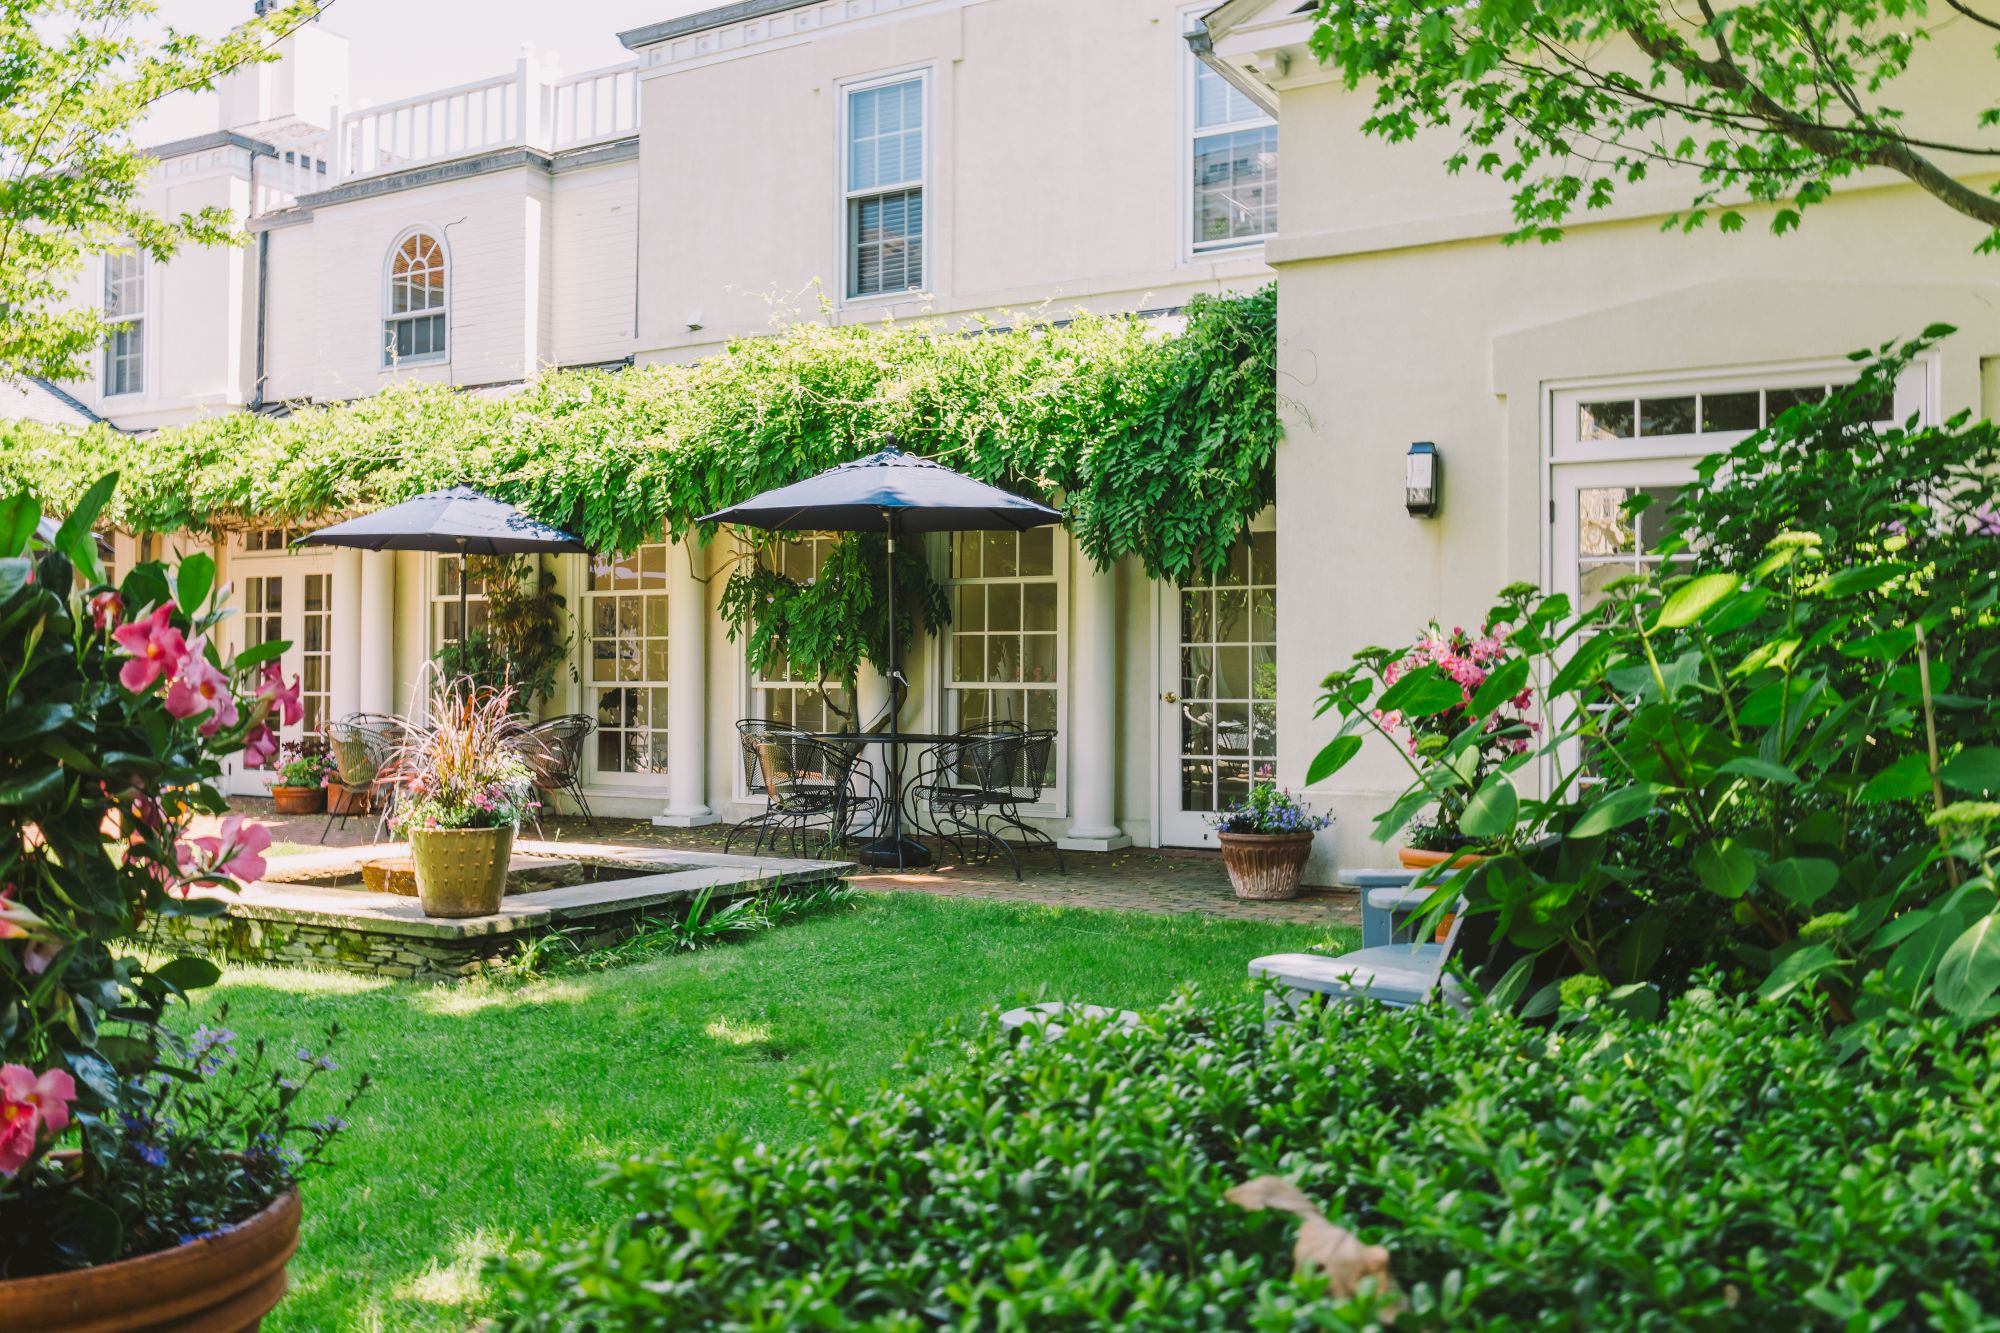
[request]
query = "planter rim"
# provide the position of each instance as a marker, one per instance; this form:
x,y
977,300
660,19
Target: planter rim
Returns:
x,y
490,828
104,1286
1300,836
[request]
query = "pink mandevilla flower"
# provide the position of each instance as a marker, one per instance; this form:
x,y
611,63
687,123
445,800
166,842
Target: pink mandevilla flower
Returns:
x,y
107,608
260,746
30,1106
235,850
156,649
285,699
201,687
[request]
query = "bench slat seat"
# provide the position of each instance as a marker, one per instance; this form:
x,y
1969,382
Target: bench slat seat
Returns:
x,y
1396,974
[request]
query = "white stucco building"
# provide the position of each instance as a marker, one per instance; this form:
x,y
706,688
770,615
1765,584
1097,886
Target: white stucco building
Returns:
x,y
892,157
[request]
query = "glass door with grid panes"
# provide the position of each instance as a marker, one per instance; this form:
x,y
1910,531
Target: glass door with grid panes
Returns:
x,y
1219,691
625,665
287,596
1005,663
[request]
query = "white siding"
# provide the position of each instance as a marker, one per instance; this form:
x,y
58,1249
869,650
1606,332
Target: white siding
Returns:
x,y
595,263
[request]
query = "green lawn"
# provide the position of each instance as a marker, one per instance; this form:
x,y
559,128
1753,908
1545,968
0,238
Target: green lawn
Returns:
x,y
494,1104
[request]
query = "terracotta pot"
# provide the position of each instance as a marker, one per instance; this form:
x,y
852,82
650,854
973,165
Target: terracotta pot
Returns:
x,y
225,1284
342,799
1414,859
299,800
1265,866
461,871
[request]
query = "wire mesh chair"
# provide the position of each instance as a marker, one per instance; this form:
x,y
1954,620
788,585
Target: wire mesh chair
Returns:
x,y
865,791
553,752
971,788
810,786
364,755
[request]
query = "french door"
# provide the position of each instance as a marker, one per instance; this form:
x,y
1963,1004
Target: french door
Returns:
x,y
288,597
1219,691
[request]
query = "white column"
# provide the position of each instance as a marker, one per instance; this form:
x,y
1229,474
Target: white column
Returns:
x,y
687,690
375,633
1093,710
344,646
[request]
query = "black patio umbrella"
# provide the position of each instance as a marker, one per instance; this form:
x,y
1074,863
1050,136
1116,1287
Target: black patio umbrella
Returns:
x,y
459,521
890,492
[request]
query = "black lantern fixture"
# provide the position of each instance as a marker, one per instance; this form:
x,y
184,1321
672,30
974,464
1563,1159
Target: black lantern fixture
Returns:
x,y
1423,479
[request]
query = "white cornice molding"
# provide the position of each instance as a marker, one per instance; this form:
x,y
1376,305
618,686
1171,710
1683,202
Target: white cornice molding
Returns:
x,y
788,27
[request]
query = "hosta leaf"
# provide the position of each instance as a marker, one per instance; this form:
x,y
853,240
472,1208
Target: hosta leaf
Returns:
x,y
1969,972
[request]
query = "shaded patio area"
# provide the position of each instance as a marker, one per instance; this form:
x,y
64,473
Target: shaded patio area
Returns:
x,y
1134,879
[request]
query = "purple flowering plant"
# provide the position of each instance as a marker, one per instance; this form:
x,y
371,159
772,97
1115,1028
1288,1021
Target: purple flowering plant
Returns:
x,y
1270,809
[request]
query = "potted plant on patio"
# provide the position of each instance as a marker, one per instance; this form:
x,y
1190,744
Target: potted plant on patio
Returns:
x,y
1266,842
467,791
147,1180
298,784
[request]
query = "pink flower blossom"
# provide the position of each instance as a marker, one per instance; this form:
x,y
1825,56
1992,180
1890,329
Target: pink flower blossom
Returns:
x,y
107,608
16,922
156,649
30,1106
236,850
260,745
285,699
201,687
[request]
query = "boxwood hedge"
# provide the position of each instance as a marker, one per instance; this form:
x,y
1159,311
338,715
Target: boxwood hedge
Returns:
x,y
1725,1167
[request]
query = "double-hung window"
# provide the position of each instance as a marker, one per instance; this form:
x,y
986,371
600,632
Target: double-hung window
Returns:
x,y
1007,640
884,171
125,310
625,618
1234,165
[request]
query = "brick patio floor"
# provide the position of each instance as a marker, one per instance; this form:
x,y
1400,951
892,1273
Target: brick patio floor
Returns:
x,y
1135,879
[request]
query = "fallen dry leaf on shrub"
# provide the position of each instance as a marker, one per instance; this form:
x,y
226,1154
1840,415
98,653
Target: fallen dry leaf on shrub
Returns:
x,y
1335,1251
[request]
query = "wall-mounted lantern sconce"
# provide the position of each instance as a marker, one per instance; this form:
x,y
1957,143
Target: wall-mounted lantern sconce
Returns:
x,y
1423,478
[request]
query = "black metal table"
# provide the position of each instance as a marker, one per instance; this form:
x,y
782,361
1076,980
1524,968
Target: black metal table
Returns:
x,y
891,848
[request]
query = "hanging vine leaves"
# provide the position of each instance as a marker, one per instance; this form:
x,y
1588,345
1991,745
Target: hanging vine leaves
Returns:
x,y
1159,445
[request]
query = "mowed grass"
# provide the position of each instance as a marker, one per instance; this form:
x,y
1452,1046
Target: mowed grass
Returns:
x,y
495,1104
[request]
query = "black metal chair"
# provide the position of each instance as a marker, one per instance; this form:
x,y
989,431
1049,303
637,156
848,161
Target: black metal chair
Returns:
x,y
866,792
972,787
553,752
809,784
364,755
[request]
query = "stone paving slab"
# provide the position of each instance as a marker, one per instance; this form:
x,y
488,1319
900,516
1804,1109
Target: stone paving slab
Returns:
x,y
1133,879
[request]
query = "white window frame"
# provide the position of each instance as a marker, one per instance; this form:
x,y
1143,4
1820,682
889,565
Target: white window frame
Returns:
x,y
1194,250
752,681
1669,460
844,204
391,318
127,320
615,780
435,603
1054,802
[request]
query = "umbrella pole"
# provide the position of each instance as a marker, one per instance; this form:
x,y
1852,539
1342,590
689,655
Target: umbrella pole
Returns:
x,y
464,628
895,700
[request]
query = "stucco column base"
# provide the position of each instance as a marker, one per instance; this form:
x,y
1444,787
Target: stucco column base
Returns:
x,y
677,819
1093,840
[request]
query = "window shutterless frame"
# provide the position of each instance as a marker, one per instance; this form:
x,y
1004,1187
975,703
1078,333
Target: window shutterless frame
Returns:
x,y
883,167
125,304
416,299
1228,161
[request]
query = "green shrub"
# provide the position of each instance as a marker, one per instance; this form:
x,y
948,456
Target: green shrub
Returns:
x,y
1722,1168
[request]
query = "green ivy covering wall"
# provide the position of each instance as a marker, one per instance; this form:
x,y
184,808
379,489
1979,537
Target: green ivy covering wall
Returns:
x,y
1159,445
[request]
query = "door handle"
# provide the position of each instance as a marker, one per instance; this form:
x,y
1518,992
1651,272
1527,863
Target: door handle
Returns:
x,y
1170,698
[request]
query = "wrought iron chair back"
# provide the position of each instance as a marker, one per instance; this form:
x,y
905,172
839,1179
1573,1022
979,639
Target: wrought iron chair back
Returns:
x,y
553,752
364,749
973,786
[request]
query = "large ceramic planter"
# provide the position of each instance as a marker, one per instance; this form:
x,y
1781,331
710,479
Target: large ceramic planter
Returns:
x,y
1265,866
1413,859
461,871
225,1284
299,800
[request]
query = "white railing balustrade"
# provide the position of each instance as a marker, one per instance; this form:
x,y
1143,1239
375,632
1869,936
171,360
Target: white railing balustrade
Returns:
x,y
527,109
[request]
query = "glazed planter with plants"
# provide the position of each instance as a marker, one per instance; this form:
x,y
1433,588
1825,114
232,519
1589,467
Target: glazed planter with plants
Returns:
x,y
464,800
1266,842
298,784
147,1180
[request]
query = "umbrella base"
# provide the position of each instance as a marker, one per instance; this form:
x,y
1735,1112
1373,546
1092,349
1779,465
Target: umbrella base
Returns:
x,y
893,853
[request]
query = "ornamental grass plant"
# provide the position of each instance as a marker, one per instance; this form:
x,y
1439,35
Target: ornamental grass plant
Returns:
x,y
464,762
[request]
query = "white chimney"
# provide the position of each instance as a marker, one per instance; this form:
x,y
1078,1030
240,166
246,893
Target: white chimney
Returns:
x,y
308,76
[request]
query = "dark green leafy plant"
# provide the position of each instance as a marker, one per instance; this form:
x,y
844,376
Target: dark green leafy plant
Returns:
x,y
524,645
1718,1164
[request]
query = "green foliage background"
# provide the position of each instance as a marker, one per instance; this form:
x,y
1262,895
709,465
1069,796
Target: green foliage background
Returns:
x,y
1158,445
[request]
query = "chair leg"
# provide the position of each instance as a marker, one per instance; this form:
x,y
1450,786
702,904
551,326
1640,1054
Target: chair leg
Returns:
x,y
576,791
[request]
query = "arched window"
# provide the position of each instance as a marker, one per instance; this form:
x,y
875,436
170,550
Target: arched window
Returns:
x,y
413,325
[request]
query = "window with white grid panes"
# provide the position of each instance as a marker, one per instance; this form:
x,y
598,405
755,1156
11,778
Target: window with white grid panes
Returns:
x,y
414,315
263,609
1229,678
125,308
444,599
788,693
316,651
1006,661
625,659
884,183
1233,164
1732,412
